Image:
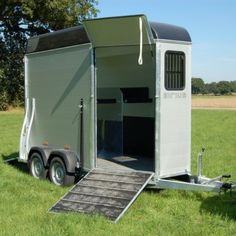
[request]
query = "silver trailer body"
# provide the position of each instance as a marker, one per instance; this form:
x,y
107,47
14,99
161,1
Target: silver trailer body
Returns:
x,y
121,76
111,98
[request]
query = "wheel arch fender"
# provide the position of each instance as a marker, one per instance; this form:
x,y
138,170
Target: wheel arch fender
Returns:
x,y
69,158
44,153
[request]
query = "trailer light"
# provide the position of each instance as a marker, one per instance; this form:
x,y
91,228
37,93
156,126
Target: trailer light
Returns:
x,y
66,147
45,143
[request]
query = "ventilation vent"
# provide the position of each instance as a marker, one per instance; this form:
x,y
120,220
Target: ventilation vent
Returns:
x,y
174,70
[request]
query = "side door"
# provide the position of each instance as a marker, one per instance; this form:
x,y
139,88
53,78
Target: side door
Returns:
x,y
175,109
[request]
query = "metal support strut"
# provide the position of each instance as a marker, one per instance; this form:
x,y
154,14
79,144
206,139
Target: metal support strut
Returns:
x,y
81,106
200,156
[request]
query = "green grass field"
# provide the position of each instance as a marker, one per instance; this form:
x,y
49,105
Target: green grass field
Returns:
x,y
24,201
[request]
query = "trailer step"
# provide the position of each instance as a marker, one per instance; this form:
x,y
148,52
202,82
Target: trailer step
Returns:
x,y
104,192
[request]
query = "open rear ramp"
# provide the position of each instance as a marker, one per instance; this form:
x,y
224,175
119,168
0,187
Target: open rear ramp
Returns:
x,y
104,192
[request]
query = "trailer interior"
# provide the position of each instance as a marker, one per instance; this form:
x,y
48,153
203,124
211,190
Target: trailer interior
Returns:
x,y
125,108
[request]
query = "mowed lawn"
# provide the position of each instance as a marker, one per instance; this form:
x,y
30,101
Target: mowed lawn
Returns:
x,y
24,201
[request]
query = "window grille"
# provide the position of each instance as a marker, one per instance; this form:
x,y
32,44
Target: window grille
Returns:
x,y
174,70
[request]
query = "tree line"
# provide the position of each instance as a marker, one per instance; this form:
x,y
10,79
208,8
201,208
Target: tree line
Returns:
x,y
21,19
215,88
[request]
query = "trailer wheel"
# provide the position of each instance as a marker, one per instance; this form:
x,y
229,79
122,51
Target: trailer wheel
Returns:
x,y
36,166
58,174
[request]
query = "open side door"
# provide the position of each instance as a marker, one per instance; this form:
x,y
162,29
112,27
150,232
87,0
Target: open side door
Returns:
x,y
119,31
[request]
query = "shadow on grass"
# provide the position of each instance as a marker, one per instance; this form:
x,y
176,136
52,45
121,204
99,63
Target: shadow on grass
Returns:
x,y
223,205
23,167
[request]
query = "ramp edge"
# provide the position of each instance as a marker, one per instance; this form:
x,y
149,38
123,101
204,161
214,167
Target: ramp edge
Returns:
x,y
135,197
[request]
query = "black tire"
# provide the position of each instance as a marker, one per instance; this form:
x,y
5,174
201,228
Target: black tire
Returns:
x,y
58,174
36,166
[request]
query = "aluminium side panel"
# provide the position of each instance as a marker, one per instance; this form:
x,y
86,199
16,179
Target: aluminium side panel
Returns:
x,y
58,80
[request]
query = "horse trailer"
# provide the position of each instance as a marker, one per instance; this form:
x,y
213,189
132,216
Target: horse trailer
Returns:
x,y
109,101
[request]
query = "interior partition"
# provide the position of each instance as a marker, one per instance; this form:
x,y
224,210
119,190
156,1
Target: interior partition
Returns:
x,y
125,107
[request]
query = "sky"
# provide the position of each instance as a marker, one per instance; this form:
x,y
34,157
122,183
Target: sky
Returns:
x,y
211,24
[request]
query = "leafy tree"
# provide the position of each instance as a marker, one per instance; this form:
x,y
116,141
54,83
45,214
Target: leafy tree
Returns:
x,y
212,88
20,19
198,86
224,87
39,16
216,88
3,95
233,86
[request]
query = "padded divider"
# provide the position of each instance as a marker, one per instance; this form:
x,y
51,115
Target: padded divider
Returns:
x,y
110,137
138,136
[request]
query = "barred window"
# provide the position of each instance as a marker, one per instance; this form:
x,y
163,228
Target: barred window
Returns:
x,y
174,70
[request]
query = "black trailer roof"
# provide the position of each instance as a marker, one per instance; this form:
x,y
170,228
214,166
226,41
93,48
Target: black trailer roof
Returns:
x,y
169,32
58,39
77,35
